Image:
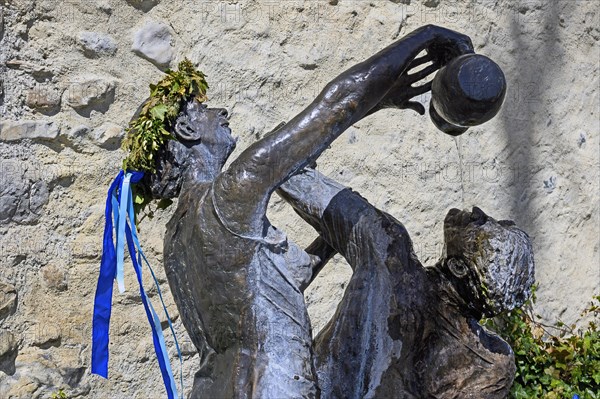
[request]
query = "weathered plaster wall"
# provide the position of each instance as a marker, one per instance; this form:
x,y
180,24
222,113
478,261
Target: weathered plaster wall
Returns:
x,y
73,72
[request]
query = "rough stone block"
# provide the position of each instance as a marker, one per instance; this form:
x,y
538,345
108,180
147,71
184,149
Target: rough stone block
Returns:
x,y
44,98
153,42
108,136
8,352
55,278
91,92
144,5
8,300
96,44
28,129
38,71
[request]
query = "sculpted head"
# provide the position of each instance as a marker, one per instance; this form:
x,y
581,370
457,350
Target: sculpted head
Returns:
x,y
489,262
204,143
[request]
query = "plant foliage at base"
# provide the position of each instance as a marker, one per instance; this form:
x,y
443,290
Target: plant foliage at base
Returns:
x,y
553,362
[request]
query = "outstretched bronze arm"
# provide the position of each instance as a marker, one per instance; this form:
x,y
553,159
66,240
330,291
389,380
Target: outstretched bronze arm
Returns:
x,y
243,190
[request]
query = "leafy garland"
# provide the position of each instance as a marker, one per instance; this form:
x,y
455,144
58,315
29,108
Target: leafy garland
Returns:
x,y
150,131
555,364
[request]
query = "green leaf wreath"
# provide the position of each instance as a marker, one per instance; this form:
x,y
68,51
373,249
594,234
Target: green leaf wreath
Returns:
x,y
150,131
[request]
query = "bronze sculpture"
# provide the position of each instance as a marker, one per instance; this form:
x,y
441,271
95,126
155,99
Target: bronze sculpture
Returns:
x,y
238,290
407,331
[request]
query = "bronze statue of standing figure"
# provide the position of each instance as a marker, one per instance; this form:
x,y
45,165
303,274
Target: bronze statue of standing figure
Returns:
x,y
402,330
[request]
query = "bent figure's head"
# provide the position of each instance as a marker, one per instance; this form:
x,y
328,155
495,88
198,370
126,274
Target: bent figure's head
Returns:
x,y
203,144
489,262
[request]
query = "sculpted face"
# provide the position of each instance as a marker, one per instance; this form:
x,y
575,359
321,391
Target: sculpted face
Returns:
x,y
492,260
209,127
203,137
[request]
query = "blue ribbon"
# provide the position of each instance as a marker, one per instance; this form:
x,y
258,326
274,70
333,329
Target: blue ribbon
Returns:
x,y
104,289
121,221
141,256
119,205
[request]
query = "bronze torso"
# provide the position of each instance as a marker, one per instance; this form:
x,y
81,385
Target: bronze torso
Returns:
x,y
240,303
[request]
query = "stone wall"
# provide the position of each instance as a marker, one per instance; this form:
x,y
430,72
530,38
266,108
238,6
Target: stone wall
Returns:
x,y
73,72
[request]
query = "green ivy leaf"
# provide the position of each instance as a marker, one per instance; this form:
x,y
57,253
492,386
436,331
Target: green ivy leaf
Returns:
x,y
138,199
159,111
562,361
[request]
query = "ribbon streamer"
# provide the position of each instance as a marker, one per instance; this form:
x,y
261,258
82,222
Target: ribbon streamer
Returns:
x,y
119,206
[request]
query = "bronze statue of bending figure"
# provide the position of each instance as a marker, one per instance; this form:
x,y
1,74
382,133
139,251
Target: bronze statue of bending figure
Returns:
x,y
238,290
403,330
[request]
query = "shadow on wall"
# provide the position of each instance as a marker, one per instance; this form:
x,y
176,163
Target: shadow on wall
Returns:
x,y
532,61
